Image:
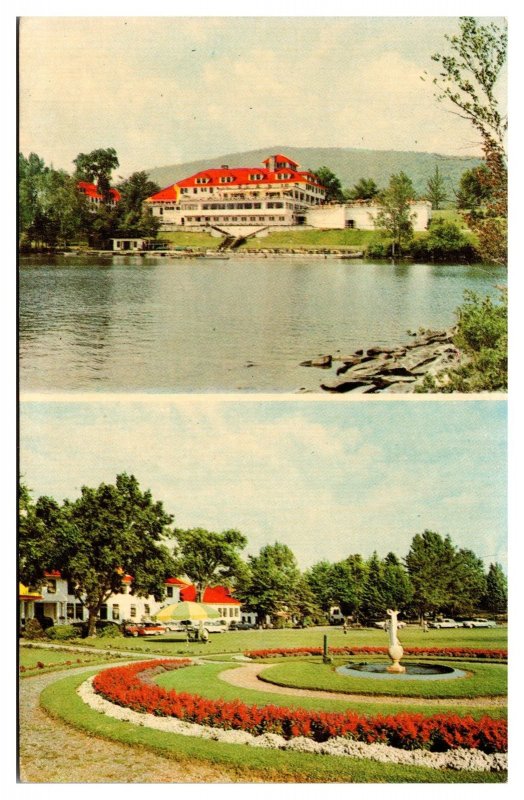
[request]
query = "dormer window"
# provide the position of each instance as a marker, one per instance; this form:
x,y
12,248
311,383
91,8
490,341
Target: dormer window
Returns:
x,y
226,179
256,176
284,176
51,586
202,180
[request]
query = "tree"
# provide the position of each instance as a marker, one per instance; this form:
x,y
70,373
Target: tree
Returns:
x,y
339,584
468,77
97,167
474,190
395,217
274,584
331,183
430,566
468,585
365,189
134,218
37,526
436,189
468,81
398,591
208,558
496,596
374,602
95,541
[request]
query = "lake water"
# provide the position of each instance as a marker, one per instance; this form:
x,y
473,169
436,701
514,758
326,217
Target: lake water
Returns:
x,y
243,324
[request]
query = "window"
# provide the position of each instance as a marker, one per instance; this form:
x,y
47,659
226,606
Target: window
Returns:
x,y
103,611
70,587
51,586
79,611
350,223
70,611
146,609
132,611
115,612
169,591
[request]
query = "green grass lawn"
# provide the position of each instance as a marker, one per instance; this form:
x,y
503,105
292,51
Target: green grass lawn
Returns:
x,y
203,680
197,239
483,679
60,700
174,644
29,657
311,238
32,658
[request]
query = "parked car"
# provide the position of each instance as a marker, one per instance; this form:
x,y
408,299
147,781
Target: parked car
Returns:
x,y
445,622
384,623
143,629
215,626
241,626
479,622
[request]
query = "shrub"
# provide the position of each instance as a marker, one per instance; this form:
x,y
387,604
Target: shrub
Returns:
x,y
379,248
443,242
33,630
62,632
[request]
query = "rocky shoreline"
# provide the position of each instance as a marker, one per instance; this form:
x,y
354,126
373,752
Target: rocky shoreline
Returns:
x,y
393,370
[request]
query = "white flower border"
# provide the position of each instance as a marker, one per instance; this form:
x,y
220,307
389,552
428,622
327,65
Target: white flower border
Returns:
x,y
459,759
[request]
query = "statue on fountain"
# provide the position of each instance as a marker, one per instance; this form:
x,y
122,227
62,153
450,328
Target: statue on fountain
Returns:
x,y
395,649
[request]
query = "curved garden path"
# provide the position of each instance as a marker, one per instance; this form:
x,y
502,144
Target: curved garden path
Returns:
x,y
53,752
247,677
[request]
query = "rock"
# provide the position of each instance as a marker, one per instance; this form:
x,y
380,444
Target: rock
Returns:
x,y
320,361
348,386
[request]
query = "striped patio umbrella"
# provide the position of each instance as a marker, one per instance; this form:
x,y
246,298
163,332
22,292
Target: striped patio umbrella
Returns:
x,y
187,610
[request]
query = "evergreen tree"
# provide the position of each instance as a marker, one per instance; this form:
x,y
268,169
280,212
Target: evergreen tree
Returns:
x,y
496,596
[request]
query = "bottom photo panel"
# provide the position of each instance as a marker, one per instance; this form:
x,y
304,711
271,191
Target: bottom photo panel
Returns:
x,y
262,591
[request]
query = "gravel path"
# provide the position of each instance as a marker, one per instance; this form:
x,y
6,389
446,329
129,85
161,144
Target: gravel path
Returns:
x,y
247,677
53,752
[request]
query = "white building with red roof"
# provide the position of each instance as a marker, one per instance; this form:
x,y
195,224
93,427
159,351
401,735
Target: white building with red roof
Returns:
x,y
275,194
96,198
56,600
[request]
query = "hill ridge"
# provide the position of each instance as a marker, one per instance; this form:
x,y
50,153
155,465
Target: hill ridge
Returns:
x,y
348,163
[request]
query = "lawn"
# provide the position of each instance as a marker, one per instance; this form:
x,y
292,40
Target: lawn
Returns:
x,y
350,238
174,644
197,239
60,700
483,679
35,660
203,680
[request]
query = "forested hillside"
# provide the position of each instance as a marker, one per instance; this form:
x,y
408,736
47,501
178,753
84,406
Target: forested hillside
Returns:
x,y
349,164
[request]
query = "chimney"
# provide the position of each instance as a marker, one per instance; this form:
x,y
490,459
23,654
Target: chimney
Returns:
x,y
224,166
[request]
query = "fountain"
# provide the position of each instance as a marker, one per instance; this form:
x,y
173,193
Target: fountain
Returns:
x,y
397,670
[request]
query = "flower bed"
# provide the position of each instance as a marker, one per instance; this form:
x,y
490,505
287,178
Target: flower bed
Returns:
x,y
126,687
441,652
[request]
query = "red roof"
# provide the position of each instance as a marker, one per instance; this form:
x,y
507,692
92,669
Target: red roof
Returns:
x,y
238,176
176,582
90,190
279,157
54,573
213,594
169,193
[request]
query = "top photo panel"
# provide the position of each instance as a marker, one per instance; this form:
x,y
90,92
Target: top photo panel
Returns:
x,y
262,205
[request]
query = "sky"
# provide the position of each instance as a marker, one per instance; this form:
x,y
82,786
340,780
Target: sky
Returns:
x,y
166,90
326,478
